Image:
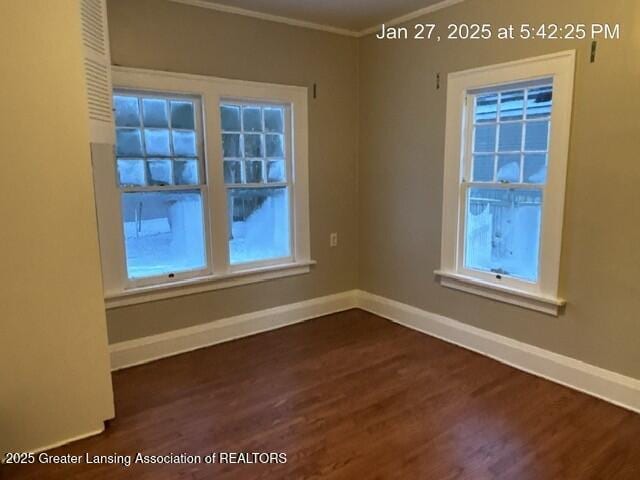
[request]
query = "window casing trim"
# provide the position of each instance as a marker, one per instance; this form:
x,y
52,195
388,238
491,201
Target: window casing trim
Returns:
x,y
559,67
502,293
213,282
210,91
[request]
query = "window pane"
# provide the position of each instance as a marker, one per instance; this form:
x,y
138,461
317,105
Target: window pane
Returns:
x,y
131,172
159,172
230,117
164,232
539,102
252,119
182,115
535,168
502,233
485,138
483,168
274,147
232,171
274,120
186,171
510,137
253,172
127,112
536,136
276,171
508,168
260,224
252,145
157,142
486,108
128,142
512,105
184,143
155,113
231,145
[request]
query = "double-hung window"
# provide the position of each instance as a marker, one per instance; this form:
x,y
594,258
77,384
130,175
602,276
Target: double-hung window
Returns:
x,y
206,186
162,188
505,168
255,153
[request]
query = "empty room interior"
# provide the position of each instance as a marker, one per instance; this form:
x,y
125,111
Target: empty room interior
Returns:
x,y
342,239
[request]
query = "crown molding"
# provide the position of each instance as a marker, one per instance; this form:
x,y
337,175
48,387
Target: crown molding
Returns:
x,y
266,16
318,26
410,16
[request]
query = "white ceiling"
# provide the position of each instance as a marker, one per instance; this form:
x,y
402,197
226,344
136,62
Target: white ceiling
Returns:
x,y
353,15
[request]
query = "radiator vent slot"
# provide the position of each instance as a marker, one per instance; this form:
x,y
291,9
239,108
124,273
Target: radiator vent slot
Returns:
x,y
93,26
97,69
98,91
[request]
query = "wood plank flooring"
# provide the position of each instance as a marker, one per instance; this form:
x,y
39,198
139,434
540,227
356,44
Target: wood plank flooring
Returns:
x,y
353,396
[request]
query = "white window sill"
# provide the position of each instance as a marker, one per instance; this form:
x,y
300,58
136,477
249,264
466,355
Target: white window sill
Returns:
x,y
532,301
204,284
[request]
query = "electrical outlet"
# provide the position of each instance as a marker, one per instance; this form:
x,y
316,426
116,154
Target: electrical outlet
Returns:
x,y
333,240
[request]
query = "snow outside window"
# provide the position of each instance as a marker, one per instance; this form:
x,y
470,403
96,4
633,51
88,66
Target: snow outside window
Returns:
x,y
506,150
205,188
510,148
159,176
255,141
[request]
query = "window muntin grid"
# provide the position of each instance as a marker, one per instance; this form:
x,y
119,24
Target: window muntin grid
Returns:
x,y
510,135
158,141
254,144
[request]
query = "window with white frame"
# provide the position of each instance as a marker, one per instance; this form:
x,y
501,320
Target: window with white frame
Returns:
x,y
505,168
208,186
509,139
255,153
162,188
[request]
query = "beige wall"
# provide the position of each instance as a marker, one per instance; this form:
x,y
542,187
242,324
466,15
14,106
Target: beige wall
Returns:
x,y
402,118
161,35
383,92
54,366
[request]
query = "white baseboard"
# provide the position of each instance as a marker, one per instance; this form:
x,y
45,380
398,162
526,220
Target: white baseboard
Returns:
x,y
609,386
143,350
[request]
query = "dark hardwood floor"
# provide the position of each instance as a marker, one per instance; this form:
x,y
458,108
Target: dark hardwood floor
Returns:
x,y
353,396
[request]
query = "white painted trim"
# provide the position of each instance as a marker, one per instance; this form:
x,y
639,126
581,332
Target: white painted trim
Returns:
x,y
204,284
559,67
521,62
540,303
124,76
318,26
211,91
410,16
268,17
612,387
143,350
